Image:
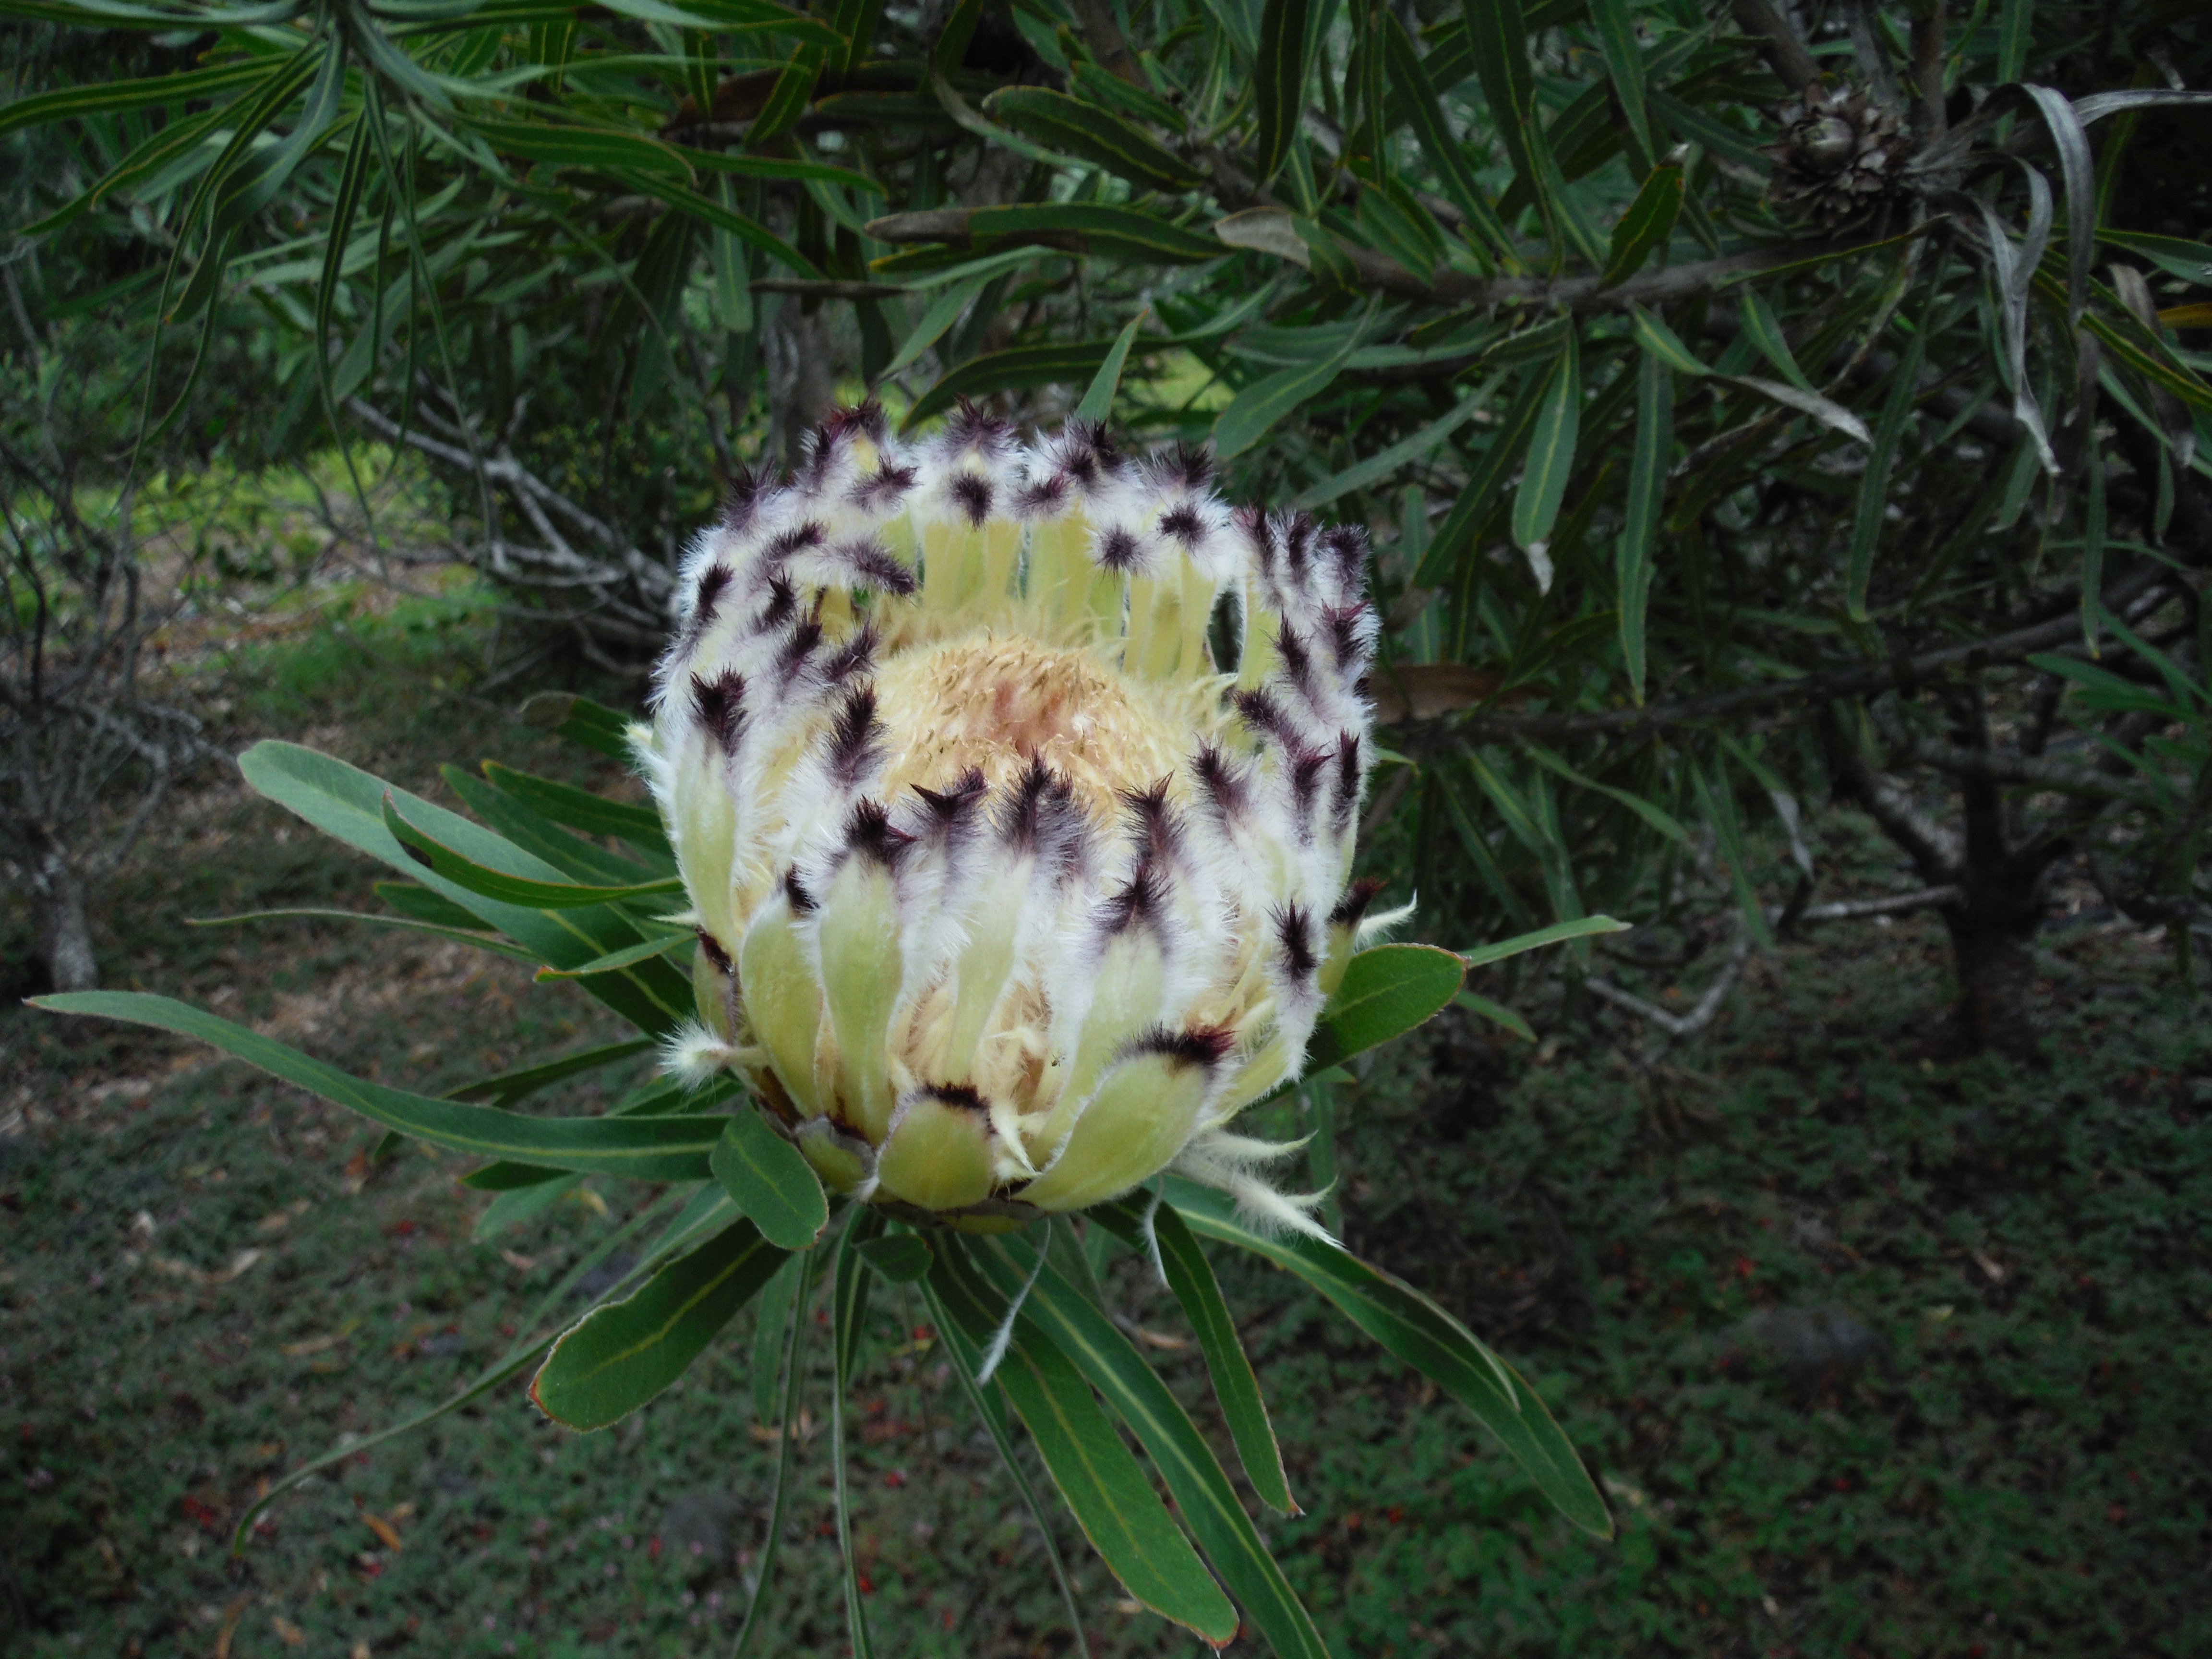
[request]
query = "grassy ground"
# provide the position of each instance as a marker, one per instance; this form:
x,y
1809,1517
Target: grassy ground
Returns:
x,y
1873,1354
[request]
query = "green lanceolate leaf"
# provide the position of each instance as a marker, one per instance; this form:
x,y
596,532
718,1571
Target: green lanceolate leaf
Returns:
x,y
579,809
1093,135
1873,482
465,871
1258,407
1106,1490
848,1308
421,903
788,98
1662,343
1660,819
1557,933
1497,1013
618,1356
1499,34
463,935
1045,364
1279,84
110,98
1507,441
902,1258
591,725
1649,461
581,146
347,803
1417,447
1388,990
629,957
1116,232
1098,402
1394,222
770,1182
1623,62
1402,59
990,1408
1718,800
2176,256
1765,329
1190,1276
508,1087
1551,453
515,1205
650,1149
1647,225
1415,1330
945,311
1110,1362
791,1375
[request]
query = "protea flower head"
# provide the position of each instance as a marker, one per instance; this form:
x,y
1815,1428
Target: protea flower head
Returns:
x,y
1010,893
1840,156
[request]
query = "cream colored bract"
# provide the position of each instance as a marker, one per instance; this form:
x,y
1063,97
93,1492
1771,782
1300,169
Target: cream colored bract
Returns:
x,y
1008,897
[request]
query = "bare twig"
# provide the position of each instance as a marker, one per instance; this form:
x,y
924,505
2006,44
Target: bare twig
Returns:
x,y
1997,767
1778,43
1897,904
1868,679
1702,1013
1378,272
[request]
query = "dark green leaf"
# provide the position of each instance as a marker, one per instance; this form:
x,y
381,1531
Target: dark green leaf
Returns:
x,y
1873,482
901,1258
1190,1276
848,1308
1647,225
1443,150
990,1408
508,1087
618,1356
466,935
770,1180
1497,1012
1582,927
1255,410
1110,1362
2190,261
1279,84
518,1204
1093,135
1650,461
1098,402
112,97
650,1149
629,957
1473,504
1106,1491
788,98
1424,1336
347,803
1076,364
579,809
1623,62
463,872
1388,990
1764,329
1550,454
581,146
592,724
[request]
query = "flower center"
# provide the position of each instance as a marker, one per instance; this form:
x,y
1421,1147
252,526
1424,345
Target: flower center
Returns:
x,y
995,702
